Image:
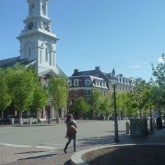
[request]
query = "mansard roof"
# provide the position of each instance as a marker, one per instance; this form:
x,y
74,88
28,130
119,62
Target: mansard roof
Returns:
x,y
96,73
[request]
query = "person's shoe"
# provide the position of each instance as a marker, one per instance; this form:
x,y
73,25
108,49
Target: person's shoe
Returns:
x,y
65,151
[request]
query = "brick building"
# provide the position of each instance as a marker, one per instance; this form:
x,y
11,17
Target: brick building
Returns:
x,y
81,83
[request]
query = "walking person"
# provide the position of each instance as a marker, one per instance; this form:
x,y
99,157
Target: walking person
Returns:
x,y
70,132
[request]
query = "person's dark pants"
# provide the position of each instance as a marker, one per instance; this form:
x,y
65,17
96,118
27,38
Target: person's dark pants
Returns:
x,y
74,143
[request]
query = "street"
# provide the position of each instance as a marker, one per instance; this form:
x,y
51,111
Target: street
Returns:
x,y
42,145
53,137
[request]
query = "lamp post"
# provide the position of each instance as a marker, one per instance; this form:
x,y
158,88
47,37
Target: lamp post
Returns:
x,y
151,124
116,138
69,105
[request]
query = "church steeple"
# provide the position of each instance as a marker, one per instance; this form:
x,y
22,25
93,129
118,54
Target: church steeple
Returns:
x,y
38,15
38,8
37,41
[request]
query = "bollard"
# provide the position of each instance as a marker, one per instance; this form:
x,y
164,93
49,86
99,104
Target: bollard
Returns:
x,y
30,121
58,120
12,121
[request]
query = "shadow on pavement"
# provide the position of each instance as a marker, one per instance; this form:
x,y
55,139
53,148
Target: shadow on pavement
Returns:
x,y
103,140
29,152
96,140
40,156
67,163
109,139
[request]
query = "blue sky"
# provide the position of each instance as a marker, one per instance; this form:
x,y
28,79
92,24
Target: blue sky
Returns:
x,y
127,35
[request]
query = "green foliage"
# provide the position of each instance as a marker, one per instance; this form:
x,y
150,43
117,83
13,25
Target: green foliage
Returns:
x,y
81,106
96,101
20,89
159,74
105,106
126,104
40,98
146,96
5,98
59,92
20,83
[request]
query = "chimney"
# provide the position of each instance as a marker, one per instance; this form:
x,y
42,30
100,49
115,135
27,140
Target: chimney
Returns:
x,y
97,68
76,71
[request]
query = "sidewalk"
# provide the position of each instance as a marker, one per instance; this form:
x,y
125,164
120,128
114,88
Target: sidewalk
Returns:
x,y
37,156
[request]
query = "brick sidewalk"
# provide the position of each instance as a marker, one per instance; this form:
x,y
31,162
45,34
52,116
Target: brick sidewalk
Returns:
x,y
36,156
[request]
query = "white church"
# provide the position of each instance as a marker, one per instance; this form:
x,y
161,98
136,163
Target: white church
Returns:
x,y
38,47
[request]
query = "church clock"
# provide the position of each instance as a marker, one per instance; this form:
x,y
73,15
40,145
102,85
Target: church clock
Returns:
x,y
37,41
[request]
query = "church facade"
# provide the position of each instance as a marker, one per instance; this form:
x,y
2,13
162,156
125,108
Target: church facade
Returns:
x,y
38,47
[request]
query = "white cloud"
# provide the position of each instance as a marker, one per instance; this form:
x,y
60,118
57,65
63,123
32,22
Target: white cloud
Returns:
x,y
136,66
139,66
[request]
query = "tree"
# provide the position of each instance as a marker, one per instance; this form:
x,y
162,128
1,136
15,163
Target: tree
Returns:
x,y
134,103
126,104
5,98
121,107
20,81
105,107
139,96
59,92
40,97
159,75
81,107
96,101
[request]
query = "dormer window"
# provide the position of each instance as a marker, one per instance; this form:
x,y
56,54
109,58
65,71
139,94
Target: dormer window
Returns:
x,y
76,82
70,83
87,82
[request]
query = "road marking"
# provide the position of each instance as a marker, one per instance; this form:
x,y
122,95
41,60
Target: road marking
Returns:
x,y
46,147
27,146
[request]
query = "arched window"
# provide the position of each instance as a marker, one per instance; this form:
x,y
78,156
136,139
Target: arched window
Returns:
x,y
50,58
46,54
44,9
40,56
29,52
32,8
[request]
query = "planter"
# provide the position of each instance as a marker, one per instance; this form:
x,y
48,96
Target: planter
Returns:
x,y
121,155
138,127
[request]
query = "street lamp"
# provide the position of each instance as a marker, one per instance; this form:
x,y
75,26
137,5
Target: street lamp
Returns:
x,y
151,124
113,80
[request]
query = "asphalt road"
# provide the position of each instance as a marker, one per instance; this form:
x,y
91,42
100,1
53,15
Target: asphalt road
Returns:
x,y
53,137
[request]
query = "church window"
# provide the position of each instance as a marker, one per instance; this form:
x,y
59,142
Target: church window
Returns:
x,y
44,9
40,56
30,26
29,51
46,54
53,59
50,59
32,8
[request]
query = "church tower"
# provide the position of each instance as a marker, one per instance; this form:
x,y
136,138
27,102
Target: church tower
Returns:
x,y
37,41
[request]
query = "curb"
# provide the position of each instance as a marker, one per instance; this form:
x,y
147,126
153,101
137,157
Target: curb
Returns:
x,y
76,159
